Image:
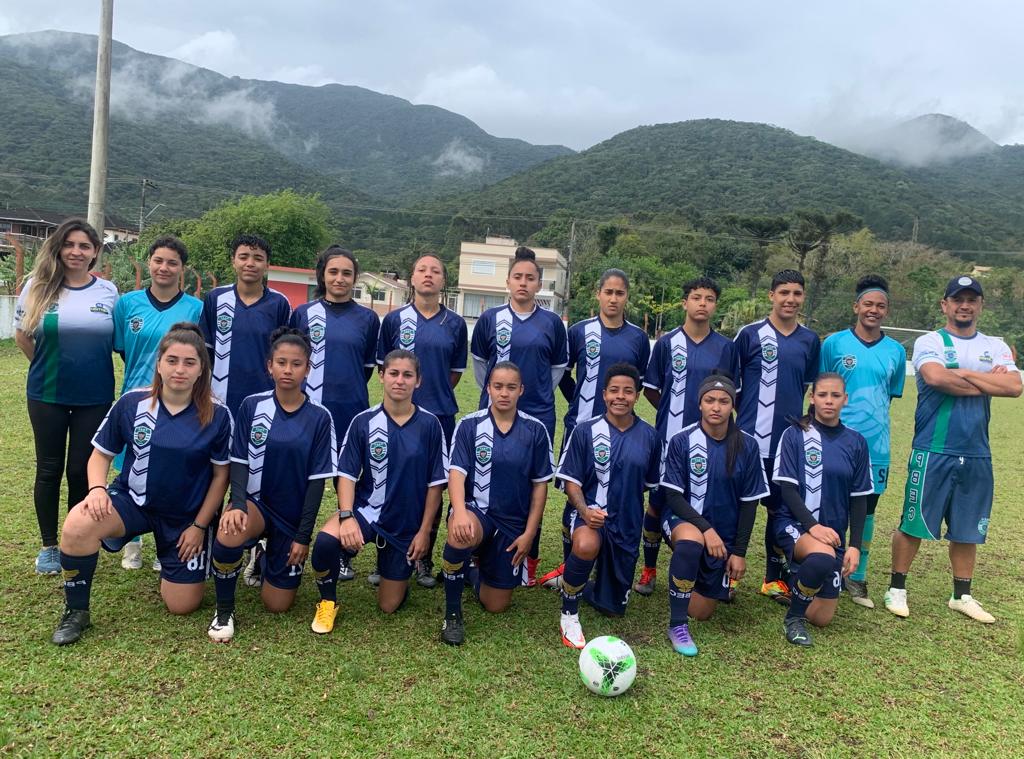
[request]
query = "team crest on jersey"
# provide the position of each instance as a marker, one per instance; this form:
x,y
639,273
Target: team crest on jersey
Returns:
x,y
769,352
258,434
849,361
483,453
503,336
406,336
679,362
813,456
135,324
698,465
602,452
316,333
224,323
983,526
142,434
52,309
950,355
378,450
593,348
100,308
985,358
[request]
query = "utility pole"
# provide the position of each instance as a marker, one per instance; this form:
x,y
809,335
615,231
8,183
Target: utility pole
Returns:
x,y
101,120
568,265
142,207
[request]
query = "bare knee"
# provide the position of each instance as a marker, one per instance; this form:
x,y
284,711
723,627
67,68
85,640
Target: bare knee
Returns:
x,y
586,546
180,606
821,615
495,604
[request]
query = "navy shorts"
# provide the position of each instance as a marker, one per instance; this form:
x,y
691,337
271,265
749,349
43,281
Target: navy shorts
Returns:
x,y
712,580
276,569
613,573
495,559
166,530
392,561
787,532
956,490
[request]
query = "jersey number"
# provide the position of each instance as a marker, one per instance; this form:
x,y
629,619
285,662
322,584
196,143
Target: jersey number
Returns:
x,y
197,562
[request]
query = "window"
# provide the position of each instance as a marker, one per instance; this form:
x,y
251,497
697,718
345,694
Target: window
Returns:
x,y
474,304
544,303
485,268
357,293
379,295
5,226
453,302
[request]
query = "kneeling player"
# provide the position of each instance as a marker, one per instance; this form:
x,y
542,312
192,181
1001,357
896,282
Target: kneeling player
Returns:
x,y
712,482
608,464
824,475
391,470
172,483
497,482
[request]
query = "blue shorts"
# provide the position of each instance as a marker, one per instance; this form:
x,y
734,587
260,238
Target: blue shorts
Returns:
x,y
495,559
787,532
166,530
392,560
956,490
276,569
613,573
712,581
880,477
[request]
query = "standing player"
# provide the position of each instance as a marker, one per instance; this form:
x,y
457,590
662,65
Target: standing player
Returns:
x,y
949,476
778,358
608,464
497,482
141,319
824,473
391,470
873,366
438,337
682,359
535,340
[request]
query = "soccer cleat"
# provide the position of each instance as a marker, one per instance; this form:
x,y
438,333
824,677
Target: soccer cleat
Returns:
x,y
530,578
968,606
425,574
48,561
553,579
222,628
572,632
72,625
253,573
157,566
681,640
131,557
896,602
323,620
374,577
645,585
452,630
345,570
733,584
858,590
776,590
796,631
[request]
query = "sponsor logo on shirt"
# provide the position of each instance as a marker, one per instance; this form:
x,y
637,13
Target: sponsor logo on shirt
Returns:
x,y
769,352
99,308
698,465
142,434
135,324
849,361
378,449
406,336
679,361
593,348
602,452
316,333
813,456
504,336
258,434
483,453
224,323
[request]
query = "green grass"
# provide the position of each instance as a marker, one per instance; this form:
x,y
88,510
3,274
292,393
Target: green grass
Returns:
x,y
143,683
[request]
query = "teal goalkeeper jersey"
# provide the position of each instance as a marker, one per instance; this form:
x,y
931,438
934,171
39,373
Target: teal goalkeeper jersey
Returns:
x,y
874,374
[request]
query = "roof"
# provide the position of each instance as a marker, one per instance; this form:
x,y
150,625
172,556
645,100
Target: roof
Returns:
x,y
56,218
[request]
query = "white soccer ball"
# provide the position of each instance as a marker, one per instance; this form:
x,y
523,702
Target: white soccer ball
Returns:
x,y
607,666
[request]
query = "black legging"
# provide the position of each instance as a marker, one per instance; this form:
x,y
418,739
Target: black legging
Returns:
x,y
61,432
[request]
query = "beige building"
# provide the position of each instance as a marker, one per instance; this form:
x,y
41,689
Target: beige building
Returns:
x,y
483,270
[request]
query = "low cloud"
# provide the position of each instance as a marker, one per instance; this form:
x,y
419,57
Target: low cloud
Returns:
x,y
460,159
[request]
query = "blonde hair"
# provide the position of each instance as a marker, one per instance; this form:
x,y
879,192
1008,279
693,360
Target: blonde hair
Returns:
x,y
47,273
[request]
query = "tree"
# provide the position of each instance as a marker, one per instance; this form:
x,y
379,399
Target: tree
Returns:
x,y
813,232
763,231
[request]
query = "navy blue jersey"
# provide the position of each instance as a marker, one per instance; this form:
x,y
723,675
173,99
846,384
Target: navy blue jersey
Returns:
x,y
696,466
774,372
535,344
594,347
344,338
393,466
678,366
167,464
284,451
441,345
238,338
613,469
502,467
828,465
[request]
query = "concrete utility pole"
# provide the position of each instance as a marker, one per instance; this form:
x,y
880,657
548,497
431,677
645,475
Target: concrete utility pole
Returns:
x,y
100,120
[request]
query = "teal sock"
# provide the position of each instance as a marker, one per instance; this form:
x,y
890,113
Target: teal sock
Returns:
x,y
865,549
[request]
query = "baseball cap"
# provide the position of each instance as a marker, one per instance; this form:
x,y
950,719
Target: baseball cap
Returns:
x,y
958,284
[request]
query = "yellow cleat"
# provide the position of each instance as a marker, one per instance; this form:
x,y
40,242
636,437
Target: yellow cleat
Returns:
x,y
323,620
776,590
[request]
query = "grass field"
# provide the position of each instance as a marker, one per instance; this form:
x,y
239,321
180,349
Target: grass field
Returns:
x,y
143,683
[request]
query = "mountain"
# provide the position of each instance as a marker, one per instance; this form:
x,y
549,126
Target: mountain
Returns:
x,y
930,140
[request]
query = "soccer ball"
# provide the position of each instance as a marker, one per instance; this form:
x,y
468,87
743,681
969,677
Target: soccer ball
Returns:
x,y
607,666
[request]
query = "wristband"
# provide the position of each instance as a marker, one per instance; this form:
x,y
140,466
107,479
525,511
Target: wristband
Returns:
x,y
198,526
96,486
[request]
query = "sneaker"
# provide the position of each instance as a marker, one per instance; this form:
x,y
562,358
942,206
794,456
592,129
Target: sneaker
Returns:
x,y
425,574
345,571
572,632
374,577
131,557
222,628
530,578
72,625
645,585
971,608
48,561
452,630
681,640
157,566
796,631
896,602
858,590
776,590
323,620
253,573
553,579
733,584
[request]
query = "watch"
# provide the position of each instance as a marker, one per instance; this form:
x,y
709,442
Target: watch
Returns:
x,y
344,514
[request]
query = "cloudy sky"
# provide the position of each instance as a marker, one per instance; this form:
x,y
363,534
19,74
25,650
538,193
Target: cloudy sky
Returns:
x,y
576,72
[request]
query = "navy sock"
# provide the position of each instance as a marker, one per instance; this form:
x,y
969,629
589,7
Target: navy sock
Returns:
x,y
651,539
961,586
683,569
454,563
812,575
577,572
78,572
227,565
898,580
535,546
775,564
566,536
326,563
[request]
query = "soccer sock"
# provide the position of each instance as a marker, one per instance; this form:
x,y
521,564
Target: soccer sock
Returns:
x,y
814,570
683,570
566,536
898,580
227,565
775,560
453,570
865,549
326,563
535,546
78,572
961,585
651,539
577,572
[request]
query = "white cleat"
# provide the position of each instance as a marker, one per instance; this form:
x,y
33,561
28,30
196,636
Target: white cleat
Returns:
x,y
896,602
222,630
572,632
131,557
967,606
